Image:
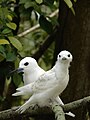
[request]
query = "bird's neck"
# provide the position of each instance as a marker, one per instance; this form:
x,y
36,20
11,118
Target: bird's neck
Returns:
x,y
61,68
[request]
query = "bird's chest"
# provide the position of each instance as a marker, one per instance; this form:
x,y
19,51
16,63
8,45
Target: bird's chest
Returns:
x,y
61,75
62,79
29,78
63,83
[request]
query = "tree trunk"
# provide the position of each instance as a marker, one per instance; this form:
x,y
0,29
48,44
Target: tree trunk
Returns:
x,y
76,39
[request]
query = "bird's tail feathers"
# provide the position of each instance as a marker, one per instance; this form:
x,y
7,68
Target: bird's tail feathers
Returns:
x,y
18,93
25,87
24,90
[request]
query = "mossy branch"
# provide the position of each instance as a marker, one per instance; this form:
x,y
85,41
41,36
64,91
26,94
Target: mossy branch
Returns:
x,y
4,115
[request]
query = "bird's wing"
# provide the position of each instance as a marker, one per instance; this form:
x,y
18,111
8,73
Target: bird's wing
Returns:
x,y
26,87
45,82
24,90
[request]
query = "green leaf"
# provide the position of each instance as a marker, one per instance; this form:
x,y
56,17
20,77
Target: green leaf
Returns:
x,y
69,3
73,11
16,43
10,57
39,1
17,79
2,51
11,25
22,1
45,24
29,4
3,41
75,0
9,17
49,2
17,61
6,31
2,57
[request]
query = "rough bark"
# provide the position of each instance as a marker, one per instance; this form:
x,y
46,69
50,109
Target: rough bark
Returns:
x,y
76,39
42,112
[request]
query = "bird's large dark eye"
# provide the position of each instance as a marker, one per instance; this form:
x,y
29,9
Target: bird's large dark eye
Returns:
x,y
68,55
26,63
59,56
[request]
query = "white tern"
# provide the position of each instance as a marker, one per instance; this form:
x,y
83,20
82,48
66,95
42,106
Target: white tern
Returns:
x,y
31,72
44,85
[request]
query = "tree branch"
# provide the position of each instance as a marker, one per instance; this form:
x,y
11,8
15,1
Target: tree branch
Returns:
x,y
58,111
44,111
36,26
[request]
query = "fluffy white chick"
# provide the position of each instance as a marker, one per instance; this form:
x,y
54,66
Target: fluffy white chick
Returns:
x,y
49,85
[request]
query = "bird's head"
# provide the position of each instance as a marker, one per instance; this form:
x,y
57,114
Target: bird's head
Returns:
x,y
65,56
26,65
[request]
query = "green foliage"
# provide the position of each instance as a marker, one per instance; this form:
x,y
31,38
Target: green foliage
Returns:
x,y
11,25
70,5
45,24
49,2
2,53
15,42
17,79
10,57
7,42
3,41
39,1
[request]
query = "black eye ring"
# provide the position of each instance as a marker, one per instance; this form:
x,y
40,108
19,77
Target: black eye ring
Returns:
x,y
26,64
68,55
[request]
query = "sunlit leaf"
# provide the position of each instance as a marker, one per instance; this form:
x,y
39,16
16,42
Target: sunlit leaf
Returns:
x,y
73,11
69,3
75,0
3,41
11,25
39,1
16,43
9,17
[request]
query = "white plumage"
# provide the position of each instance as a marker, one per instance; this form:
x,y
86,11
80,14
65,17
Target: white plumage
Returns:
x,y
31,70
45,86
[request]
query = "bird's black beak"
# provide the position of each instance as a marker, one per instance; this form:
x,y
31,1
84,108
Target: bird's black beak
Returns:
x,y
64,58
18,70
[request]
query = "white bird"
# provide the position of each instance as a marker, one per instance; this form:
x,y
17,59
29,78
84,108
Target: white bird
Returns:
x,y
31,72
48,85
